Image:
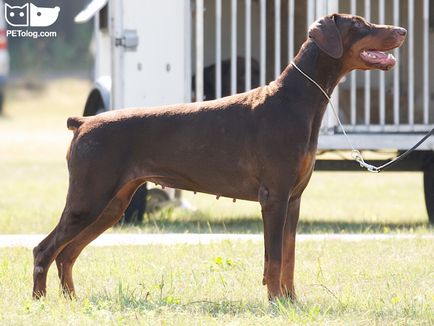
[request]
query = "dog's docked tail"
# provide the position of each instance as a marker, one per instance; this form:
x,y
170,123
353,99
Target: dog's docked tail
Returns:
x,y
74,123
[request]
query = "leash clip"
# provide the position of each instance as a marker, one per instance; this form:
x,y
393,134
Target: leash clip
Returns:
x,y
357,156
372,168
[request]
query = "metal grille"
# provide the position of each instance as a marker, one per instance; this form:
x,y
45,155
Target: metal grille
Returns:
x,y
257,38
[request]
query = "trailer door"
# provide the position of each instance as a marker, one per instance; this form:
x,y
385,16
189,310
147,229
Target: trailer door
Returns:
x,y
151,46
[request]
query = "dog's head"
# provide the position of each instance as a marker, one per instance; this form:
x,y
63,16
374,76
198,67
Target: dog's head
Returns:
x,y
356,42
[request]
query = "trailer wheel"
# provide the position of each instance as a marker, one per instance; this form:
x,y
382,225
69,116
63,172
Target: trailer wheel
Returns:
x,y
428,185
156,200
94,104
136,210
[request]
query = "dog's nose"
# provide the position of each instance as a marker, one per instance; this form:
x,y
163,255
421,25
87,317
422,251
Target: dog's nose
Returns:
x,y
401,31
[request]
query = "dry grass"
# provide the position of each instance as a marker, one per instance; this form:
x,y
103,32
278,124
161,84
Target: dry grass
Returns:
x,y
338,283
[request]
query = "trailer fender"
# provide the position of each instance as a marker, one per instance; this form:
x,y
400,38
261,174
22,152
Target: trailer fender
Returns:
x,y
98,100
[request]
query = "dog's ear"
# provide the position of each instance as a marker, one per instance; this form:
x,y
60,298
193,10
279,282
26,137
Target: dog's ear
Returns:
x,y
326,35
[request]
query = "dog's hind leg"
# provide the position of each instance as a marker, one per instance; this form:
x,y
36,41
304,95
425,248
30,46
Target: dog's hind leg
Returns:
x,y
71,224
111,215
41,267
287,274
88,195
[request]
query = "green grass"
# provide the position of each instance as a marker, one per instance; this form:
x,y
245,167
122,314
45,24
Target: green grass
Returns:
x,y
33,180
359,283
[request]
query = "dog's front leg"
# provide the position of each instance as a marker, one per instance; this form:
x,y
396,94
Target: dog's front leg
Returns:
x,y
274,207
287,274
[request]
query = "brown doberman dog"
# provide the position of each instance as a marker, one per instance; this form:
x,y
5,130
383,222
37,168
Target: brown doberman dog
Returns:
x,y
259,146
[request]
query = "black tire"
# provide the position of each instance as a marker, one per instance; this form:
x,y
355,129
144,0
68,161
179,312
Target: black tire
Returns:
x,y
144,200
428,185
156,200
94,104
136,210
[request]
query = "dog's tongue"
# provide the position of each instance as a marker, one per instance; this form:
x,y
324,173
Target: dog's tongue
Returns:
x,y
378,57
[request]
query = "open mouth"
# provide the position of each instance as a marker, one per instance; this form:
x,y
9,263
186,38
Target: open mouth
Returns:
x,y
378,58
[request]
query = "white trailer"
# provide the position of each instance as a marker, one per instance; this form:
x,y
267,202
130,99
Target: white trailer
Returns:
x,y
149,52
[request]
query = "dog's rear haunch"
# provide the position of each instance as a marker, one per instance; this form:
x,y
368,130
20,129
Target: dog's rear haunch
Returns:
x,y
259,145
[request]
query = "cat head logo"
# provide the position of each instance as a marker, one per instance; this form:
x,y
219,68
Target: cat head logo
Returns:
x,y
31,15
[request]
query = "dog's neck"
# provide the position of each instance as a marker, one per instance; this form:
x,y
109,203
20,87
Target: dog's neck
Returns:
x,y
325,70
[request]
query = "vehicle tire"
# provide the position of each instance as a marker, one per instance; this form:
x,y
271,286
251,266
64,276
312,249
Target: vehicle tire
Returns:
x,y
94,104
156,200
136,210
428,185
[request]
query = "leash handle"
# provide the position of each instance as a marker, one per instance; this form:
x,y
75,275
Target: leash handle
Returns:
x,y
355,154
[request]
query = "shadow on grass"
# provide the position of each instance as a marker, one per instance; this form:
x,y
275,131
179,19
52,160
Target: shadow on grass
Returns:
x,y
126,298
253,224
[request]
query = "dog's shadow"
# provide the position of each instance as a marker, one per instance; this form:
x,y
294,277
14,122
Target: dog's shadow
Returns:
x,y
141,301
198,223
127,300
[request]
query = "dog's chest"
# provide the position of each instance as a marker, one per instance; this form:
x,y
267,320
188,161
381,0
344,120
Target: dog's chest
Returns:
x,y
305,169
